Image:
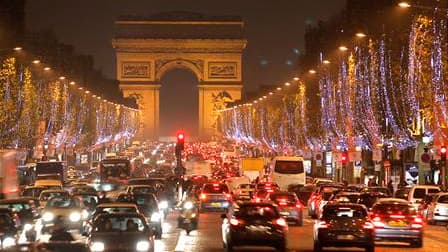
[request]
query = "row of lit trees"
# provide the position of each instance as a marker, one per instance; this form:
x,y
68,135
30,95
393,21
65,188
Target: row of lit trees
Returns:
x,y
371,93
40,107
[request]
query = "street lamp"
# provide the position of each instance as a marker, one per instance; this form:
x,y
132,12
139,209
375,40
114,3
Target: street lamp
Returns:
x,y
404,5
360,35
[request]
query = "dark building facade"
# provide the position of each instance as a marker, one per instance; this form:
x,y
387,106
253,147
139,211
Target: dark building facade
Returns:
x,y
12,23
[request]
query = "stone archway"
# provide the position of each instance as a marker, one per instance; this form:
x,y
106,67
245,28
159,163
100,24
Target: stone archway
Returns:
x,y
210,47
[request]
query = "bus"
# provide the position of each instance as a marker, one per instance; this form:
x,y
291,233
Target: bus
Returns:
x,y
115,169
287,171
51,170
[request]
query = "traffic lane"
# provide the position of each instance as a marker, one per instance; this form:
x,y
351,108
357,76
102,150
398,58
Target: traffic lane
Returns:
x,y
434,239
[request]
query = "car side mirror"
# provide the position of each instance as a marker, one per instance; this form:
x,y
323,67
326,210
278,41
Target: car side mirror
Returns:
x,y
223,216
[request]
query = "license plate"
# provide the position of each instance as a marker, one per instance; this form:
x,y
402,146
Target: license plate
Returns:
x,y
187,221
284,213
215,204
397,223
345,237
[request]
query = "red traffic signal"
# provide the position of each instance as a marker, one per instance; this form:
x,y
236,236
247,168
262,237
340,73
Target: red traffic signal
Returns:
x,y
180,137
344,157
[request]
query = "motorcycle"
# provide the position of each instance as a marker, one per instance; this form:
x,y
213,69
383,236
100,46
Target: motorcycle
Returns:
x,y
189,217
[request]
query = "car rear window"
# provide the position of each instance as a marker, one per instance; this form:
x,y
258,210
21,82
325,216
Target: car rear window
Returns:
x,y
335,212
419,193
443,199
288,167
257,212
388,209
283,197
433,191
215,188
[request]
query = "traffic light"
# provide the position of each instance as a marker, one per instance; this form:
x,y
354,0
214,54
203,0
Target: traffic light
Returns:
x,y
443,153
344,158
180,140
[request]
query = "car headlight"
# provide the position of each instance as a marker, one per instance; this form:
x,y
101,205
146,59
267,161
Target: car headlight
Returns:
x,y
163,204
155,217
75,217
47,217
142,246
8,242
97,247
188,205
27,227
85,214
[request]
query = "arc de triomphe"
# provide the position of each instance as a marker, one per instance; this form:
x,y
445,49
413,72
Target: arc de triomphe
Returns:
x,y
211,47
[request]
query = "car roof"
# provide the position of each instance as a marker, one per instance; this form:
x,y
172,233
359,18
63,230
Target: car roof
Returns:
x,y
17,200
252,203
392,201
54,190
116,204
132,214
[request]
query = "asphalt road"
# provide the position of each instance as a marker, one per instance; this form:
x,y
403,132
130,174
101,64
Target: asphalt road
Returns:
x,y
208,238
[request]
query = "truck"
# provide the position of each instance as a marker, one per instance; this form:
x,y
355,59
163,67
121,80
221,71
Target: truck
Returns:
x,y
252,167
51,170
9,183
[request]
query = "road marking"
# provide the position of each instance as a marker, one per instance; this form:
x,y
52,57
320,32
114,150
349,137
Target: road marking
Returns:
x,y
180,246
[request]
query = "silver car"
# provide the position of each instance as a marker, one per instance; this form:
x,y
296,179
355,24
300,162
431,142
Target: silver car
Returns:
x,y
70,209
438,209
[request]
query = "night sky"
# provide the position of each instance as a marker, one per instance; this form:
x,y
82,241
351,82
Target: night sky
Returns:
x,y
274,29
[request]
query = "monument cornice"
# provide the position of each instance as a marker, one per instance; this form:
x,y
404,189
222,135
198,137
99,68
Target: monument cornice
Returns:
x,y
162,45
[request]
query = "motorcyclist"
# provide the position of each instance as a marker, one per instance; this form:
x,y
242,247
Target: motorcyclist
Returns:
x,y
189,210
59,232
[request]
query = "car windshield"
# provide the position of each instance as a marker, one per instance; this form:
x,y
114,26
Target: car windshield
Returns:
x,y
145,200
119,224
352,198
256,212
215,188
144,190
32,192
335,212
15,207
443,199
390,209
62,202
48,195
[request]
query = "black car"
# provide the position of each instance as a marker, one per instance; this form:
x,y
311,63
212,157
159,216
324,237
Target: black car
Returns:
x,y
344,225
369,198
8,230
27,211
148,205
254,224
121,232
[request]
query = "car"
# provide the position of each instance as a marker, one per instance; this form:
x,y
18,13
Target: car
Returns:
x,y
327,194
27,213
8,229
303,192
214,196
131,189
254,224
397,220
45,195
79,189
368,199
316,196
268,186
149,206
244,191
418,192
437,210
33,191
121,232
344,225
71,209
115,207
289,206
377,189
344,196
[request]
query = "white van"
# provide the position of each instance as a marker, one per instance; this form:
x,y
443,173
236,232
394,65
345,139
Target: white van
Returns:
x,y
418,192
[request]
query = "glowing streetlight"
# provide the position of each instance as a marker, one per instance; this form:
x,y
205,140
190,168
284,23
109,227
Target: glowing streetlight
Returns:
x,y
343,48
326,62
264,97
404,5
312,71
87,92
279,88
296,78
36,61
271,93
47,68
17,48
62,78
287,84
360,35
72,83
80,88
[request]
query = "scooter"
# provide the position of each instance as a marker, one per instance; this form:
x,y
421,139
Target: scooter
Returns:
x,y
189,217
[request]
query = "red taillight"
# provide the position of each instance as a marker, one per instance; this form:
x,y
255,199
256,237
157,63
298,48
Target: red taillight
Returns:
x,y
322,224
228,196
203,196
234,222
299,206
418,220
377,222
215,185
257,200
282,203
368,225
281,222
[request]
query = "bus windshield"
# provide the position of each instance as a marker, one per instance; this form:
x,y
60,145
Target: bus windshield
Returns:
x,y
288,167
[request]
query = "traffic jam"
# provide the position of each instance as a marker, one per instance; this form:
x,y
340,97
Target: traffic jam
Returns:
x,y
152,196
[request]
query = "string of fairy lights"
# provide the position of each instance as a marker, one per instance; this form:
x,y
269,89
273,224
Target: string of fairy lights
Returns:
x,y
369,96
71,106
